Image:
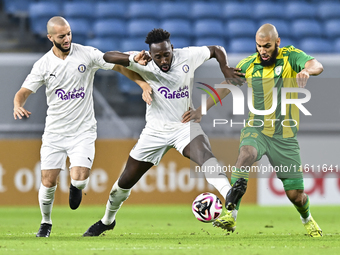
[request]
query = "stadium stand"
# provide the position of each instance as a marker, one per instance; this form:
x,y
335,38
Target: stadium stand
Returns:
x,y
110,10
316,45
174,10
242,45
206,10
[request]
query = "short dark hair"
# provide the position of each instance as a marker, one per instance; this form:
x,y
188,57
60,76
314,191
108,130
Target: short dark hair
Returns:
x,y
157,35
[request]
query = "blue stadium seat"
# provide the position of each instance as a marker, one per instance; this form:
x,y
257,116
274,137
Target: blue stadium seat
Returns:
x,y
109,28
237,10
328,10
287,41
80,30
306,28
315,45
110,10
204,10
103,44
300,10
139,10
177,27
337,45
208,27
133,44
180,42
210,41
268,10
241,28
141,27
332,28
79,9
129,87
17,7
175,10
242,45
281,25
39,15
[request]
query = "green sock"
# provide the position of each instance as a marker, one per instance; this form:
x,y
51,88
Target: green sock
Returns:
x,y
304,210
236,175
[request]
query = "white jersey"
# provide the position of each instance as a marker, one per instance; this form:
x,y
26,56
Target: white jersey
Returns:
x,y
69,88
171,90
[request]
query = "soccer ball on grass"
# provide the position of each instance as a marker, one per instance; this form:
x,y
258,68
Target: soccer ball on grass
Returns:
x,y
207,207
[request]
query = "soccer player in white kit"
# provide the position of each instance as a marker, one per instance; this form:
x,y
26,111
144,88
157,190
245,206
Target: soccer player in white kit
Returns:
x,y
67,71
170,75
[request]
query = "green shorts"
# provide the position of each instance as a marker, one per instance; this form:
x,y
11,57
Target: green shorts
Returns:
x,y
283,153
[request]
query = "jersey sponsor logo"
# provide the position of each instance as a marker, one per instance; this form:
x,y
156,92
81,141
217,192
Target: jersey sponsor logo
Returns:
x,y
76,93
180,93
82,68
185,68
278,70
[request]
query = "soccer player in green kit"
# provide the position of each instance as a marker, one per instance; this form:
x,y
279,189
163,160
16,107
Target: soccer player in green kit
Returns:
x,y
270,67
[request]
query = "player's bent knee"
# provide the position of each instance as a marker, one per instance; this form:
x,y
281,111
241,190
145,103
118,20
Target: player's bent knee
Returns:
x,y
80,184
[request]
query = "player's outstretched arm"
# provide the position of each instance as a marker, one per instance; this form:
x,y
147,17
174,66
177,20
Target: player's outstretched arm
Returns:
x,y
147,90
312,67
231,74
19,101
121,58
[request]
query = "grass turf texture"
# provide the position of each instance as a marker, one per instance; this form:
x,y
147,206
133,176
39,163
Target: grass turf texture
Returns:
x,y
170,229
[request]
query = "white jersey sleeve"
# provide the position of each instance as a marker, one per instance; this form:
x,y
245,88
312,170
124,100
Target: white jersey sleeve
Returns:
x,y
98,60
35,79
199,55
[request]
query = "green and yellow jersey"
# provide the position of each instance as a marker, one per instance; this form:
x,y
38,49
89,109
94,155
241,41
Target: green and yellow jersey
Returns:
x,y
262,79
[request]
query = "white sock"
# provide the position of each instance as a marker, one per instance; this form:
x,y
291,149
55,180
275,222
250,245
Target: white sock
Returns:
x,y
214,174
80,184
46,198
116,199
304,221
234,214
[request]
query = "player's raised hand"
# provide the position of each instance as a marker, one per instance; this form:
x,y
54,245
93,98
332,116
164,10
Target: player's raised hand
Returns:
x,y
142,58
233,75
147,92
20,112
192,114
302,78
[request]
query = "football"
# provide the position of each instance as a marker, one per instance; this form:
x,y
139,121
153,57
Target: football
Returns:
x,y
207,207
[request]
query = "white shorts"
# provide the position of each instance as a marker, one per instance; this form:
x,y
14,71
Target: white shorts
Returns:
x,y
55,148
151,146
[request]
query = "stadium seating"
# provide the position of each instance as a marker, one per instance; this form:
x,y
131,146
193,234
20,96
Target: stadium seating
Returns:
x,y
177,27
268,10
242,45
17,7
80,30
306,28
180,42
300,10
205,10
138,10
328,10
240,28
110,10
79,9
208,41
103,44
287,41
134,44
109,28
237,10
174,10
281,25
313,45
141,27
337,45
332,28
209,27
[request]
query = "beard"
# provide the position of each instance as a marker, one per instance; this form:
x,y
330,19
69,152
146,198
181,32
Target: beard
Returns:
x,y
272,59
58,45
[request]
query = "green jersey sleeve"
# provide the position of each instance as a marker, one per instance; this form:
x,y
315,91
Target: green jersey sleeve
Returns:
x,y
297,58
245,63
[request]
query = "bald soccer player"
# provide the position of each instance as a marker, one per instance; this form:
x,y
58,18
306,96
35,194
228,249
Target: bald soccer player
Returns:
x,y
271,67
67,71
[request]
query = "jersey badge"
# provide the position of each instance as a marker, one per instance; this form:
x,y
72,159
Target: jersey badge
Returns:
x,y
185,68
278,70
82,68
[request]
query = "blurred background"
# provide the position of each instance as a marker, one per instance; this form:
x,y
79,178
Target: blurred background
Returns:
x,y
313,26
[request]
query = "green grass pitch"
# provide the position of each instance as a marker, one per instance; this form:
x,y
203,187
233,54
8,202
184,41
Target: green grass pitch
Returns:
x,y
168,229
